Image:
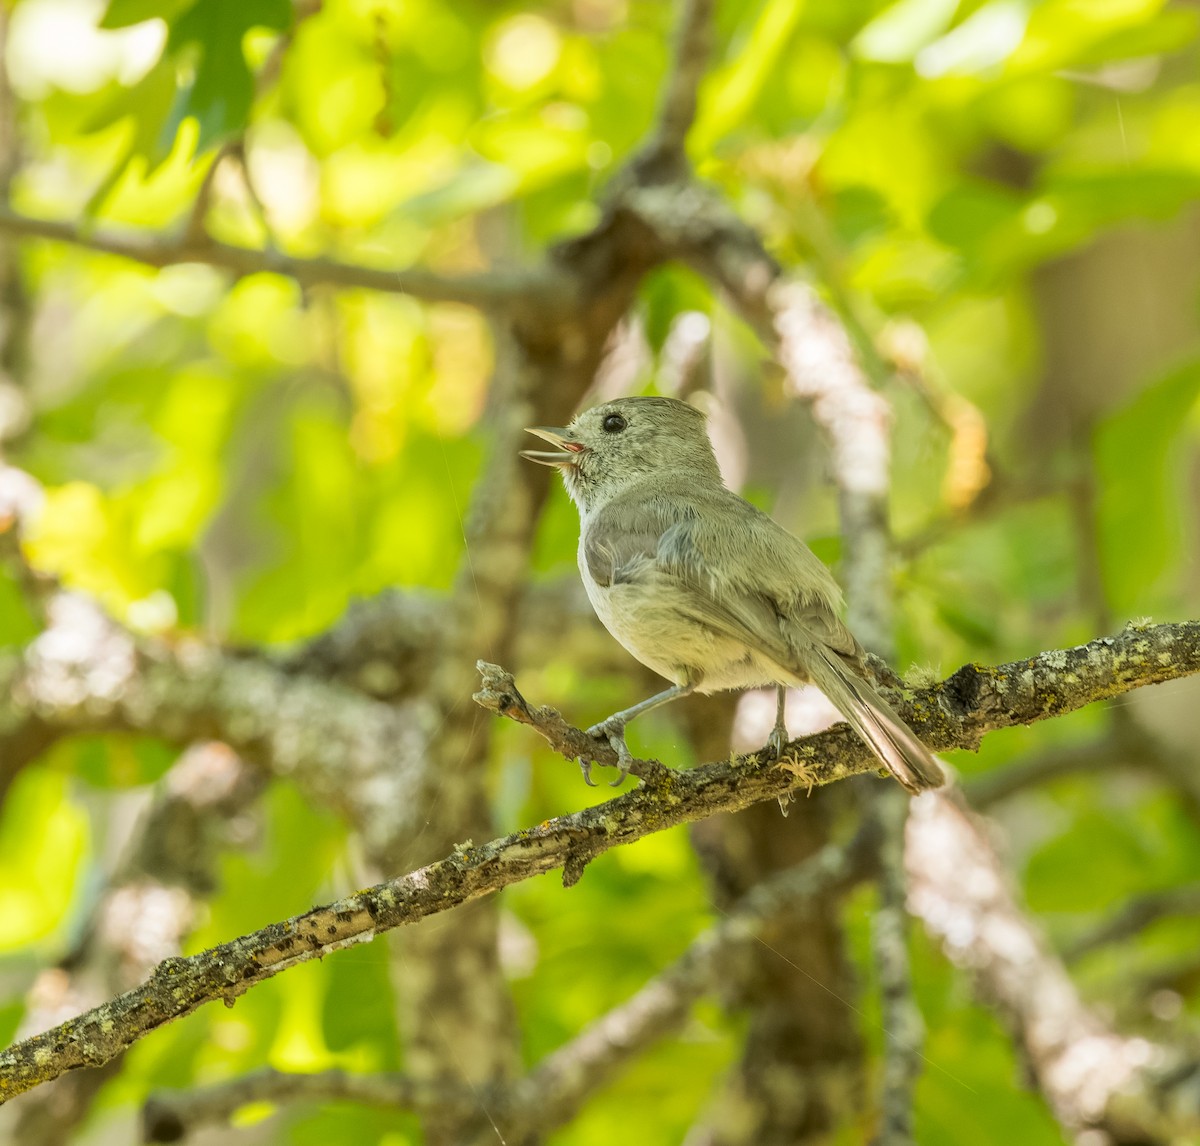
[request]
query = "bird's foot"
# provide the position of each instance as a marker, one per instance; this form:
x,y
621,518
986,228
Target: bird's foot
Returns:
x,y
613,731
777,742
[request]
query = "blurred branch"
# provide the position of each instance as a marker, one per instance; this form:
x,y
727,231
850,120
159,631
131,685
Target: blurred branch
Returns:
x,y
822,370
501,290
903,1024
170,1116
1093,1078
1179,976
20,499
457,1012
817,349
954,713
686,358
85,673
1136,915
388,645
1091,757
194,232
141,918
677,103
1002,493
553,1091
1126,744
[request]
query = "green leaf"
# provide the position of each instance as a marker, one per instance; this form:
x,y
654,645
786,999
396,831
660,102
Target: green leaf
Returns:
x,y
1138,508
667,293
17,623
1171,31
359,1008
1100,843
43,841
11,1014
971,211
125,13
151,103
117,760
1094,198
220,95
975,627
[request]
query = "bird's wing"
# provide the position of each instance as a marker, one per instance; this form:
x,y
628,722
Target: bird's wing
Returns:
x,y
771,592
617,547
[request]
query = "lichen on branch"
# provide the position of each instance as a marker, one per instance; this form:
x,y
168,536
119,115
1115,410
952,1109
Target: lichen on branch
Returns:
x,y
954,713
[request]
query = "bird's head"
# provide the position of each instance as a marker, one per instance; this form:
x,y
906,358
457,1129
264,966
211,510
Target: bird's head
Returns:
x,y
610,446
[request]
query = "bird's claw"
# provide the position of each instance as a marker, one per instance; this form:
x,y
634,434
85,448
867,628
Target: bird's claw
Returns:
x,y
777,742
614,733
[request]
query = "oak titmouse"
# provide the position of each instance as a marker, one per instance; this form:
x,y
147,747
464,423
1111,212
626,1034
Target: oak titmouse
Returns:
x,y
702,587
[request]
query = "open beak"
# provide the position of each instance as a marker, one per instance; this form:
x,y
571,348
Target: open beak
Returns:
x,y
566,453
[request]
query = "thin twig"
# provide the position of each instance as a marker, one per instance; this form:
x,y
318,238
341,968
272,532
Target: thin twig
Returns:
x,y
677,105
499,290
1091,757
500,695
170,1116
195,233
1135,916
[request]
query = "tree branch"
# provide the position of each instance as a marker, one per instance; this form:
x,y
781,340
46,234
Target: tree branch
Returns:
x,y
170,1117
1092,1077
1134,916
1091,756
552,1092
87,674
499,694
388,645
677,105
142,917
816,350
903,1024
955,713
540,287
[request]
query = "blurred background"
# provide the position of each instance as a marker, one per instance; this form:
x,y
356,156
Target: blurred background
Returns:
x,y
997,200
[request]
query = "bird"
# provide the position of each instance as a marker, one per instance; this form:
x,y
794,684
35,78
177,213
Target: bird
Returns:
x,y
704,588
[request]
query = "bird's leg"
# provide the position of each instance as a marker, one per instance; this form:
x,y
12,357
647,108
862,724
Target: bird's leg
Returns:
x,y
613,729
778,740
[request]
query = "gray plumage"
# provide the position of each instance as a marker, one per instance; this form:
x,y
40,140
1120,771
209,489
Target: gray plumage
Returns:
x,y
701,586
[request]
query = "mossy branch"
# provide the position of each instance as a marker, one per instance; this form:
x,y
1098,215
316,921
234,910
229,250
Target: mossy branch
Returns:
x,y
954,713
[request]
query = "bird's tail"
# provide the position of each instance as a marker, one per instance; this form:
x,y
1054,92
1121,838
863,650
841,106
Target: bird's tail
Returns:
x,y
896,745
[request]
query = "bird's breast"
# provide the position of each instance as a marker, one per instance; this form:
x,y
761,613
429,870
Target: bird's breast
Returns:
x,y
648,614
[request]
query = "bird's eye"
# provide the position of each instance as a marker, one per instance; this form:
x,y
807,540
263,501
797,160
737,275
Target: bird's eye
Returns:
x,y
614,424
